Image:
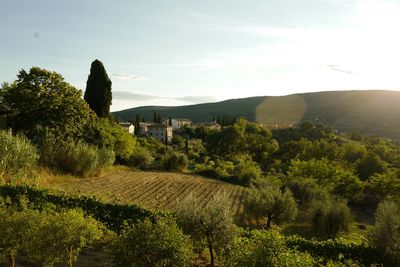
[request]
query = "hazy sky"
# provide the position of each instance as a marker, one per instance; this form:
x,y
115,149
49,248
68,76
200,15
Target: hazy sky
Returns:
x,y
182,52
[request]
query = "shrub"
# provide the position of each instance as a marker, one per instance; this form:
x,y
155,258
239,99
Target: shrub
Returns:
x,y
331,217
174,161
307,191
265,248
385,236
74,157
18,157
152,242
141,159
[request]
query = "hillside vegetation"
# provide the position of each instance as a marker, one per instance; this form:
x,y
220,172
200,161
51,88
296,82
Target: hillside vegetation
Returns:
x,y
371,112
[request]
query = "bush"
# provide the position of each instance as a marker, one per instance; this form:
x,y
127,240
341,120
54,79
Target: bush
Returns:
x,y
385,236
75,157
338,250
331,217
141,159
152,242
174,161
265,248
307,191
18,157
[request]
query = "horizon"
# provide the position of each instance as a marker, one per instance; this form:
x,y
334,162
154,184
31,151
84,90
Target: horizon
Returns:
x,y
172,53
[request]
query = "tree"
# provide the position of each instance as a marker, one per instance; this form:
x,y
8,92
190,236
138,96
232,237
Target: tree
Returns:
x,y
98,90
385,235
271,203
212,224
70,232
169,121
369,165
152,242
331,217
43,98
16,229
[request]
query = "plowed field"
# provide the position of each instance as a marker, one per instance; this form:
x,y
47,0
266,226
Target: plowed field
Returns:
x,y
154,190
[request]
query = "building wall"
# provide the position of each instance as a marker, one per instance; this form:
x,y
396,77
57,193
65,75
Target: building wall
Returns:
x,y
160,133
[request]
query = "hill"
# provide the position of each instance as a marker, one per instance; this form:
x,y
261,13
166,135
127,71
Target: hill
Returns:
x,y
371,111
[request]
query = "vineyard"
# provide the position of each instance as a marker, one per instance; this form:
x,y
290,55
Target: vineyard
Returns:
x,y
154,190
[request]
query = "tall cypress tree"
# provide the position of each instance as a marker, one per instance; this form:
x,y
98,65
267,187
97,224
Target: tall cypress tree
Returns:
x,y
98,90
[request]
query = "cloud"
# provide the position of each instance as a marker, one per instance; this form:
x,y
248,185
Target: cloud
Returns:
x,y
131,77
338,69
125,95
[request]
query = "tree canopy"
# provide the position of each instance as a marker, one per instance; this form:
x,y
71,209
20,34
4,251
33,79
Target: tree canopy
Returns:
x,y
42,98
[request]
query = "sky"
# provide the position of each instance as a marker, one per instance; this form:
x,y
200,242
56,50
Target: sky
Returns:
x,y
180,52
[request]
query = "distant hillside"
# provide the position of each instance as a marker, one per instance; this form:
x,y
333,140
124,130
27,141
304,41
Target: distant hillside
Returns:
x,y
372,112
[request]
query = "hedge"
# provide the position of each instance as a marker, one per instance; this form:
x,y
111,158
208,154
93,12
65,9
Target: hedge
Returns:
x,y
114,216
336,250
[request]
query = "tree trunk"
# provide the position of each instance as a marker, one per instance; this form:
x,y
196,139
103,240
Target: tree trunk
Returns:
x,y
11,261
269,218
211,252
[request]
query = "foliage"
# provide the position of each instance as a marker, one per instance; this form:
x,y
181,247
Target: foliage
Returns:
x,y
385,236
141,159
307,190
331,217
114,216
265,248
109,134
336,250
60,236
152,242
18,157
42,97
98,90
271,203
74,157
385,185
16,230
174,161
333,176
369,165
212,224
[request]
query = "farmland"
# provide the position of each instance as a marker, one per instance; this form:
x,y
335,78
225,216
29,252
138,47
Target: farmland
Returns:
x,y
154,190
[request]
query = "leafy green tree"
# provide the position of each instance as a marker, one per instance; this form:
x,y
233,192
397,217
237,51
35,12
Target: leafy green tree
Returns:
x,y
60,236
42,98
385,235
271,203
265,248
212,224
152,242
331,217
385,185
98,90
16,231
333,176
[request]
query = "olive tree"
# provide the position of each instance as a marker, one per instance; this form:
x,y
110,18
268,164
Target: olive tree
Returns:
x,y
152,242
16,231
212,224
60,236
272,203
